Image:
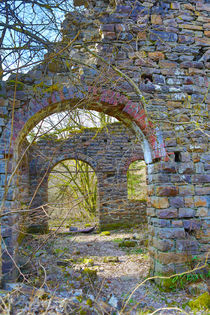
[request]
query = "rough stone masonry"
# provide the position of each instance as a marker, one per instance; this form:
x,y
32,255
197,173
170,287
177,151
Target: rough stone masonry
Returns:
x,y
147,64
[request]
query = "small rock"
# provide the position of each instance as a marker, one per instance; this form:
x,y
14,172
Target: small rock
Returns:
x,y
73,229
136,236
114,302
78,292
63,262
111,259
197,288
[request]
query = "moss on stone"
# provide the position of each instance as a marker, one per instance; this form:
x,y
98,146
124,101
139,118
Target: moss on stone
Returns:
x,y
88,261
38,229
21,237
202,302
105,233
128,243
89,302
91,274
109,259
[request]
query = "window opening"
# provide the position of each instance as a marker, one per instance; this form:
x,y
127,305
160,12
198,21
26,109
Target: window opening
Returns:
x,y
136,181
177,156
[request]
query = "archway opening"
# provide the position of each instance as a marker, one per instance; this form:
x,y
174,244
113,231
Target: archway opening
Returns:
x,y
72,195
118,211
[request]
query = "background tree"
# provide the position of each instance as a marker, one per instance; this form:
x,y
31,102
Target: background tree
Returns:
x,y
28,30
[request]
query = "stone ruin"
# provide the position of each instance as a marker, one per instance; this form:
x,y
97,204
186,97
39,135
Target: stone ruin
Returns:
x,y
148,66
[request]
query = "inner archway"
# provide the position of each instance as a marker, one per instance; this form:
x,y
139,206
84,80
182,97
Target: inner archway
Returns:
x,y
107,147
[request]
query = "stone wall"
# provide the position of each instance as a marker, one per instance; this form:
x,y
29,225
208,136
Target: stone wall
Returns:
x,y
151,73
109,152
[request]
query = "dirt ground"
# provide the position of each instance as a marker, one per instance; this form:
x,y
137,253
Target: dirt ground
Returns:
x,y
96,273
91,274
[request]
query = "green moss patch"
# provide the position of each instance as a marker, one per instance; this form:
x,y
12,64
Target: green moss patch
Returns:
x,y
128,243
105,233
202,302
109,259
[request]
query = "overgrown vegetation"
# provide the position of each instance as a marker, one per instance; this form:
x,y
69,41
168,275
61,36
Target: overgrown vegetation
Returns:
x,y
136,177
72,180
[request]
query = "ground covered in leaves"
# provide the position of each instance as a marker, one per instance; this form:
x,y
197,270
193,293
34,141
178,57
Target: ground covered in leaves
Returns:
x,y
97,273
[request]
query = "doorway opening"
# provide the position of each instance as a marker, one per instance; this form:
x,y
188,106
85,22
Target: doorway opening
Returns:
x,y
72,195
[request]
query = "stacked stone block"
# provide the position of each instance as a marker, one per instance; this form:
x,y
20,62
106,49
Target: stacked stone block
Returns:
x,y
163,47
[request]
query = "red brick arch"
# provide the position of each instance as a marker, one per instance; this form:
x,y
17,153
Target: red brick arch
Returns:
x,y
104,100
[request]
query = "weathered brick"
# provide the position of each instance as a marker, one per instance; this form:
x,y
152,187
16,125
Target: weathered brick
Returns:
x,y
109,35
201,201
192,225
192,64
162,269
168,64
186,190
167,191
166,36
191,27
142,35
163,245
177,223
186,213
203,41
186,168
200,6
167,213
160,222
175,6
171,233
199,168
157,55
177,202
151,212
107,27
199,179
184,39
169,168
199,190
159,202
189,6
189,202
188,246
207,33
168,258
120,27
206,26
156,19
203,212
